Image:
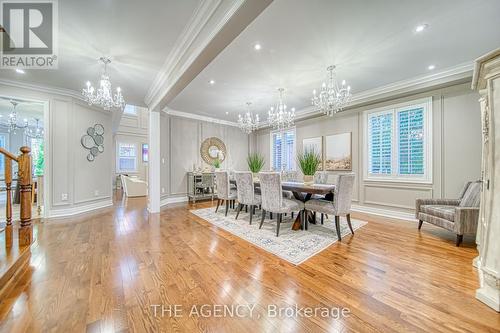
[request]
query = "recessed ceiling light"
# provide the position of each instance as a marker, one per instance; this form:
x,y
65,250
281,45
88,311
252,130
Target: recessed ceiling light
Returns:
x,y
431,67
20,71
421,27
212,82
227,112
257,46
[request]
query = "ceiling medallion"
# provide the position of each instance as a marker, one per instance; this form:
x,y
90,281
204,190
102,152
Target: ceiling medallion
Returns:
x,y
248,122
104,95
279,117
332,98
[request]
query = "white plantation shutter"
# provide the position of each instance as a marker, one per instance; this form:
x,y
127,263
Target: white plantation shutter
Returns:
x,y
380,143
283,150
277,149
398,142
411,141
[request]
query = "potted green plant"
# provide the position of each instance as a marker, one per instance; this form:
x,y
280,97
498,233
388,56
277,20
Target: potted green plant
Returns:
x,y
308,162
216,164
255,163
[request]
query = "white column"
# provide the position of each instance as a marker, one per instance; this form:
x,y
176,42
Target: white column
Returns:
x,y
154,162
487,81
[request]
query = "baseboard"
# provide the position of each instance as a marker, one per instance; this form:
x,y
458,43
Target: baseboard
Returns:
x,y
79,209
384,212
171,200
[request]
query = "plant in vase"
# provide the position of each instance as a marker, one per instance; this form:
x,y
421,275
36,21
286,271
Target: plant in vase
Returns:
x,y
255,163
308,162
216,164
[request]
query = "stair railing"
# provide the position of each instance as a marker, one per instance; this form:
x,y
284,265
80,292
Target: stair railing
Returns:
x,y
24,179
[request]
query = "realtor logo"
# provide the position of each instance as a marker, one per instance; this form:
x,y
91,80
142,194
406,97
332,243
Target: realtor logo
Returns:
x,y
29,34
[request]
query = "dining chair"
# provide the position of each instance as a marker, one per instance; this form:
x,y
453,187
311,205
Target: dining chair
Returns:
x,y
224,191
273,201
341,204
289,176
246,193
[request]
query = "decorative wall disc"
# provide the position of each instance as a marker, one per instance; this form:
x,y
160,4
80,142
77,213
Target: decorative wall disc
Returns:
x,y
213,149
93,141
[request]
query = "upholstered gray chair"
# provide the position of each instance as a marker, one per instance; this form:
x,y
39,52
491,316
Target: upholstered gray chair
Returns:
x,y
341,204
224,190
272,198
457,215
289,176
323,177
246,193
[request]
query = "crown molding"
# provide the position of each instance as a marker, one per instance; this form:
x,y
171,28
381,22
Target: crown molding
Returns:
x,y
191,31
446,77
214,25
77,96
182,114
44,89
174,66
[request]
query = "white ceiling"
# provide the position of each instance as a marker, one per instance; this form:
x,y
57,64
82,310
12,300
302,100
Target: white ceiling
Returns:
x,y
137,35
373,43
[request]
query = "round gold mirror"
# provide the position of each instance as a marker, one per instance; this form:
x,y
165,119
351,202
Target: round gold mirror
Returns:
x,y
213,149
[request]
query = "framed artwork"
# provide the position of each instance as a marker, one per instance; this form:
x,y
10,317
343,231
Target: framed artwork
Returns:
x,y
338,152
315,144
145,152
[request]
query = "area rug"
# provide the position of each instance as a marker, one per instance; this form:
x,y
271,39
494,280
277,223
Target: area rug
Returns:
x,y
292,246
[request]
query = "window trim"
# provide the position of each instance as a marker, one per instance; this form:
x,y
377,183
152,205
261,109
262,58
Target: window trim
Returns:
x,y
117,166
426,178
290,129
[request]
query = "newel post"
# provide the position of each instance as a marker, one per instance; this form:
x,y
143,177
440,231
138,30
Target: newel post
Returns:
x,y
8,204
26,229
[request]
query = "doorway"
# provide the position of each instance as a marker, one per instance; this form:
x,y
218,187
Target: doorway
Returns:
x,y
23,123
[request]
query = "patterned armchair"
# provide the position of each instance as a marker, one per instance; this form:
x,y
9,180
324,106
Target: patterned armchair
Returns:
x,y
457,215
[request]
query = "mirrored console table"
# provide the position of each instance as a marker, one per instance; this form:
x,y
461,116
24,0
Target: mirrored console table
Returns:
x,y
200,186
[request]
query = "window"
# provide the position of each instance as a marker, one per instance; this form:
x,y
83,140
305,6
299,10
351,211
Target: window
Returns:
x,y
398,141
145,152
37,156
130,110
127,157
3,144
283,150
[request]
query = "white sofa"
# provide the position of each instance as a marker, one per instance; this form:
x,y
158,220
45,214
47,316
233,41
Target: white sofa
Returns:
x,y
134,187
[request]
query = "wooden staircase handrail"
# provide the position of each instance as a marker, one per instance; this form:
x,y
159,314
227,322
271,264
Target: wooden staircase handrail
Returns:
x,y
8,154
25,188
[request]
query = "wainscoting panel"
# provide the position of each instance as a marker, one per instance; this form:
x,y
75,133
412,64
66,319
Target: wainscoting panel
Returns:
x,y
184,150
398,196
92,180
60,115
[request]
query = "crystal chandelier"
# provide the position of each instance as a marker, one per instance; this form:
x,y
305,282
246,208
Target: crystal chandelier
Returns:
x,y
35,133
279,117
331,98
104,96
12,124
248,122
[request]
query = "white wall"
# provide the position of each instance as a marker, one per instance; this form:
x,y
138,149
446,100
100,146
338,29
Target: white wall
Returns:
x,y
456,148
133,129
86,185
181,139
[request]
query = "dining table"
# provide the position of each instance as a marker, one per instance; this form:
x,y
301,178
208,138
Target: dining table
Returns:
x,y
301,192
304,192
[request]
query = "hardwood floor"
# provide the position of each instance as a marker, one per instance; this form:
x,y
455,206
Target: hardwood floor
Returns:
x,y
105,272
